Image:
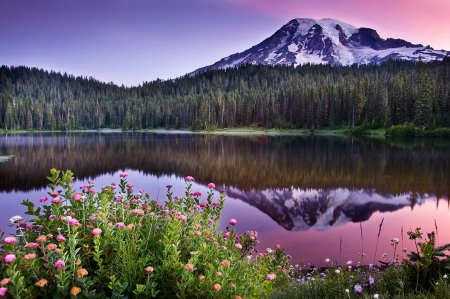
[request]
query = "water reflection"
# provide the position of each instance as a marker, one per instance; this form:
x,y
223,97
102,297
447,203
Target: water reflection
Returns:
x,y
245,163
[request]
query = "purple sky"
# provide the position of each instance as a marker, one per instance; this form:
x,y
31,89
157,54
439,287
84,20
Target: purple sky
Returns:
x,y
131,41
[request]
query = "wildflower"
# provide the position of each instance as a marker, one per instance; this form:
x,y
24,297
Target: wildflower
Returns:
x,y
225,263
10,240
73,222
358,288
3,291
60,238
82,272
215,204
77,197
137,212
78,262
197,193
15,219
41,283
216,287
347,291
183,218
271,276
189,267
149,269
201,277
327,260
211,186
5,281
269,251
51,217
123,175
96,232
169,186
120,225
43,199
238,246
226,235
210,221
130,186
233,222
74,291
232,285
189,179
237,297
371,280
54,194
60,264
32,245
9,258
56,200
337,271
29,256
349,262
218,273
197,233
445,276
375,296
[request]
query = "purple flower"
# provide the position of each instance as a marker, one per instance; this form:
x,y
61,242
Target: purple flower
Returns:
x,y
120,225
60,264
371,280
10,240
9,258
60,238
189,179
169,186
358,288
233,222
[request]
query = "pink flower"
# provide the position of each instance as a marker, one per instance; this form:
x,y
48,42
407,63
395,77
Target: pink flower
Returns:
x,y
120,225
130,186
77,197
197,193
10,240
29,256
166,212
9,258
189,267
59,264
233,222
60,238
210,221
123,175
169,186
54,194
271,276
73,222
3,291
56,200
189,179
238,246
211,186
43,199
32,245
96,232
215,204
226,235
182,218
196,207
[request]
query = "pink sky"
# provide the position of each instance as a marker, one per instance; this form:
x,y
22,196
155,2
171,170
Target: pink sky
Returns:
x,y
129,42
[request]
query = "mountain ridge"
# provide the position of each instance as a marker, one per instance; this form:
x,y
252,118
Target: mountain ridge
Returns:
x,y
326,41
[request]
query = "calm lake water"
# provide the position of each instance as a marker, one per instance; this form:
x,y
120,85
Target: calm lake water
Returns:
x,y
317,196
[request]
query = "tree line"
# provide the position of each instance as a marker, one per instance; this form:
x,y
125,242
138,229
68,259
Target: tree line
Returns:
x,y
284,97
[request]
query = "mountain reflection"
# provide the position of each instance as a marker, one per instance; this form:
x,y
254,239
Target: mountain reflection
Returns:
x,y
299,210
391,168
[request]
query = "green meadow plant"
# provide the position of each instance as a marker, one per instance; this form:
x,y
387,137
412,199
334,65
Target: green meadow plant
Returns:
x,y
118,243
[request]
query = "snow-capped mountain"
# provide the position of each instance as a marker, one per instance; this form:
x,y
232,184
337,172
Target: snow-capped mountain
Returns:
x,y
325,41
300,210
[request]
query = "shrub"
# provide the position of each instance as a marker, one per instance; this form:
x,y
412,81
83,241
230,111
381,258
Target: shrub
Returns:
x,y
117,243
405,130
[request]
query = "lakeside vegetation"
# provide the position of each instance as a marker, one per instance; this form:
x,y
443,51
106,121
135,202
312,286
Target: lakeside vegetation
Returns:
x,y
76,245
311,97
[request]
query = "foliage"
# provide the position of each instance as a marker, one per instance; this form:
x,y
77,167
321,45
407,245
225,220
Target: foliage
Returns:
x,y
117,243
282,97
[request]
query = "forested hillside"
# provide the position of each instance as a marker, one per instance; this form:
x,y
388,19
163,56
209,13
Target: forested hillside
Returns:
x,y
309,96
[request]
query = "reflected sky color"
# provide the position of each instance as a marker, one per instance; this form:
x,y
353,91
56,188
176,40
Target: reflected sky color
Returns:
x,y
129,42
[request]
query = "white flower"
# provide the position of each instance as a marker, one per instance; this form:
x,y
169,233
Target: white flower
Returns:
x,y
67,218
249,257
375,296
347,291
327,260
14,220
337,271
349,262
268,250
445,276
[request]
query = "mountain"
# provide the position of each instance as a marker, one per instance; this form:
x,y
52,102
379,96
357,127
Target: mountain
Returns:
x,y
327,41
299,210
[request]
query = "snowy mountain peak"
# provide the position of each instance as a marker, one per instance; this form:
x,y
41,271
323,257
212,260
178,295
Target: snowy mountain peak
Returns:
x,y
327,41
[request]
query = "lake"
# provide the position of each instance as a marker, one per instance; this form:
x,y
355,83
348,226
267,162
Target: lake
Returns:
x,y
317,196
